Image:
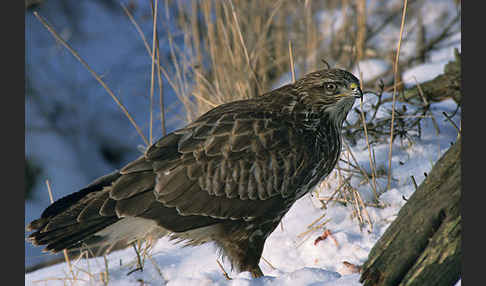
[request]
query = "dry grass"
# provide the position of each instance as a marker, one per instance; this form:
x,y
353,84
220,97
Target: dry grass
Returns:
x,y
244,44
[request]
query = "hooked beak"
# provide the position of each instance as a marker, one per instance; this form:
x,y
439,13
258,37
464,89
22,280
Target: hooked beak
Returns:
x,y
356,91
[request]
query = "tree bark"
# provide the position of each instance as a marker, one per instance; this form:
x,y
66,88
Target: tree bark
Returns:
x,y
423,245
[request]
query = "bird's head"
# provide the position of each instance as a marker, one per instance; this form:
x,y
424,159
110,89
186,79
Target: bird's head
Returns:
x,y
329,90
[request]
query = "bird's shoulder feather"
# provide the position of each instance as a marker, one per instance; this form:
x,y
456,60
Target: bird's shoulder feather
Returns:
x,y
232,162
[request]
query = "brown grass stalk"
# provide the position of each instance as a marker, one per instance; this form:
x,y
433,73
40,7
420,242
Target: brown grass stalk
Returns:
x,y
106,273
225,274
152,75
357,208
316,220
363,173
160,68
157,268
159,71
395,73
363,120
364,210
268,263
291,57
361,29
161,94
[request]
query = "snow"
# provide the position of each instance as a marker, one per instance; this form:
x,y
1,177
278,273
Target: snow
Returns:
x,y
373,67
429,70
295,260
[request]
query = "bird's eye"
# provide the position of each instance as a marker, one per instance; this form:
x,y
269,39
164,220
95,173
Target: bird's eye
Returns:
x,y
330,86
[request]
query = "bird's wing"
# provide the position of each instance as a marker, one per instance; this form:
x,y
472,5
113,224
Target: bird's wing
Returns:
x,y
235,162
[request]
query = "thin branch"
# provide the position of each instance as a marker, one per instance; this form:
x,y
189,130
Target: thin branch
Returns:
x,y
51,198
414,182
363,119
161,93
147,47
269,264
292,67
395,72
225,274
365,175
451,122
107,273
154,36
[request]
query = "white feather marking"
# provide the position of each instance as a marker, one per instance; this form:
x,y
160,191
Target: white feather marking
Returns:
x,y
130,229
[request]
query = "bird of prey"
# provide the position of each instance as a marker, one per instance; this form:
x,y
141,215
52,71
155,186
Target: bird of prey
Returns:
x,y
228,177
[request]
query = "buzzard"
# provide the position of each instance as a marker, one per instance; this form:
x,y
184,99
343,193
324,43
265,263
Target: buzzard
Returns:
x,y
228,177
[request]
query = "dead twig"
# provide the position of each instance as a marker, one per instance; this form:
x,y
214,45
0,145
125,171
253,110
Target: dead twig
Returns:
x,y
448,118
225,274
414,182
268,263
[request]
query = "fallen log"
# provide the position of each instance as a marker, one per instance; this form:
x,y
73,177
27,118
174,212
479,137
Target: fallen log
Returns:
x,y
423,244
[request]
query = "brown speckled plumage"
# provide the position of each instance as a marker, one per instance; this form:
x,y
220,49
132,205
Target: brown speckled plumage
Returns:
x,y
228,177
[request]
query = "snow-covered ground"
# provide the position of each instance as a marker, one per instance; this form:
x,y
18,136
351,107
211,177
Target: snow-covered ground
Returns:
x,y
294,259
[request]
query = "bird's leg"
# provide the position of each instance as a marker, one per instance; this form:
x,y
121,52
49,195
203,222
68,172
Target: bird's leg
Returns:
x,y
256,272
242,257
